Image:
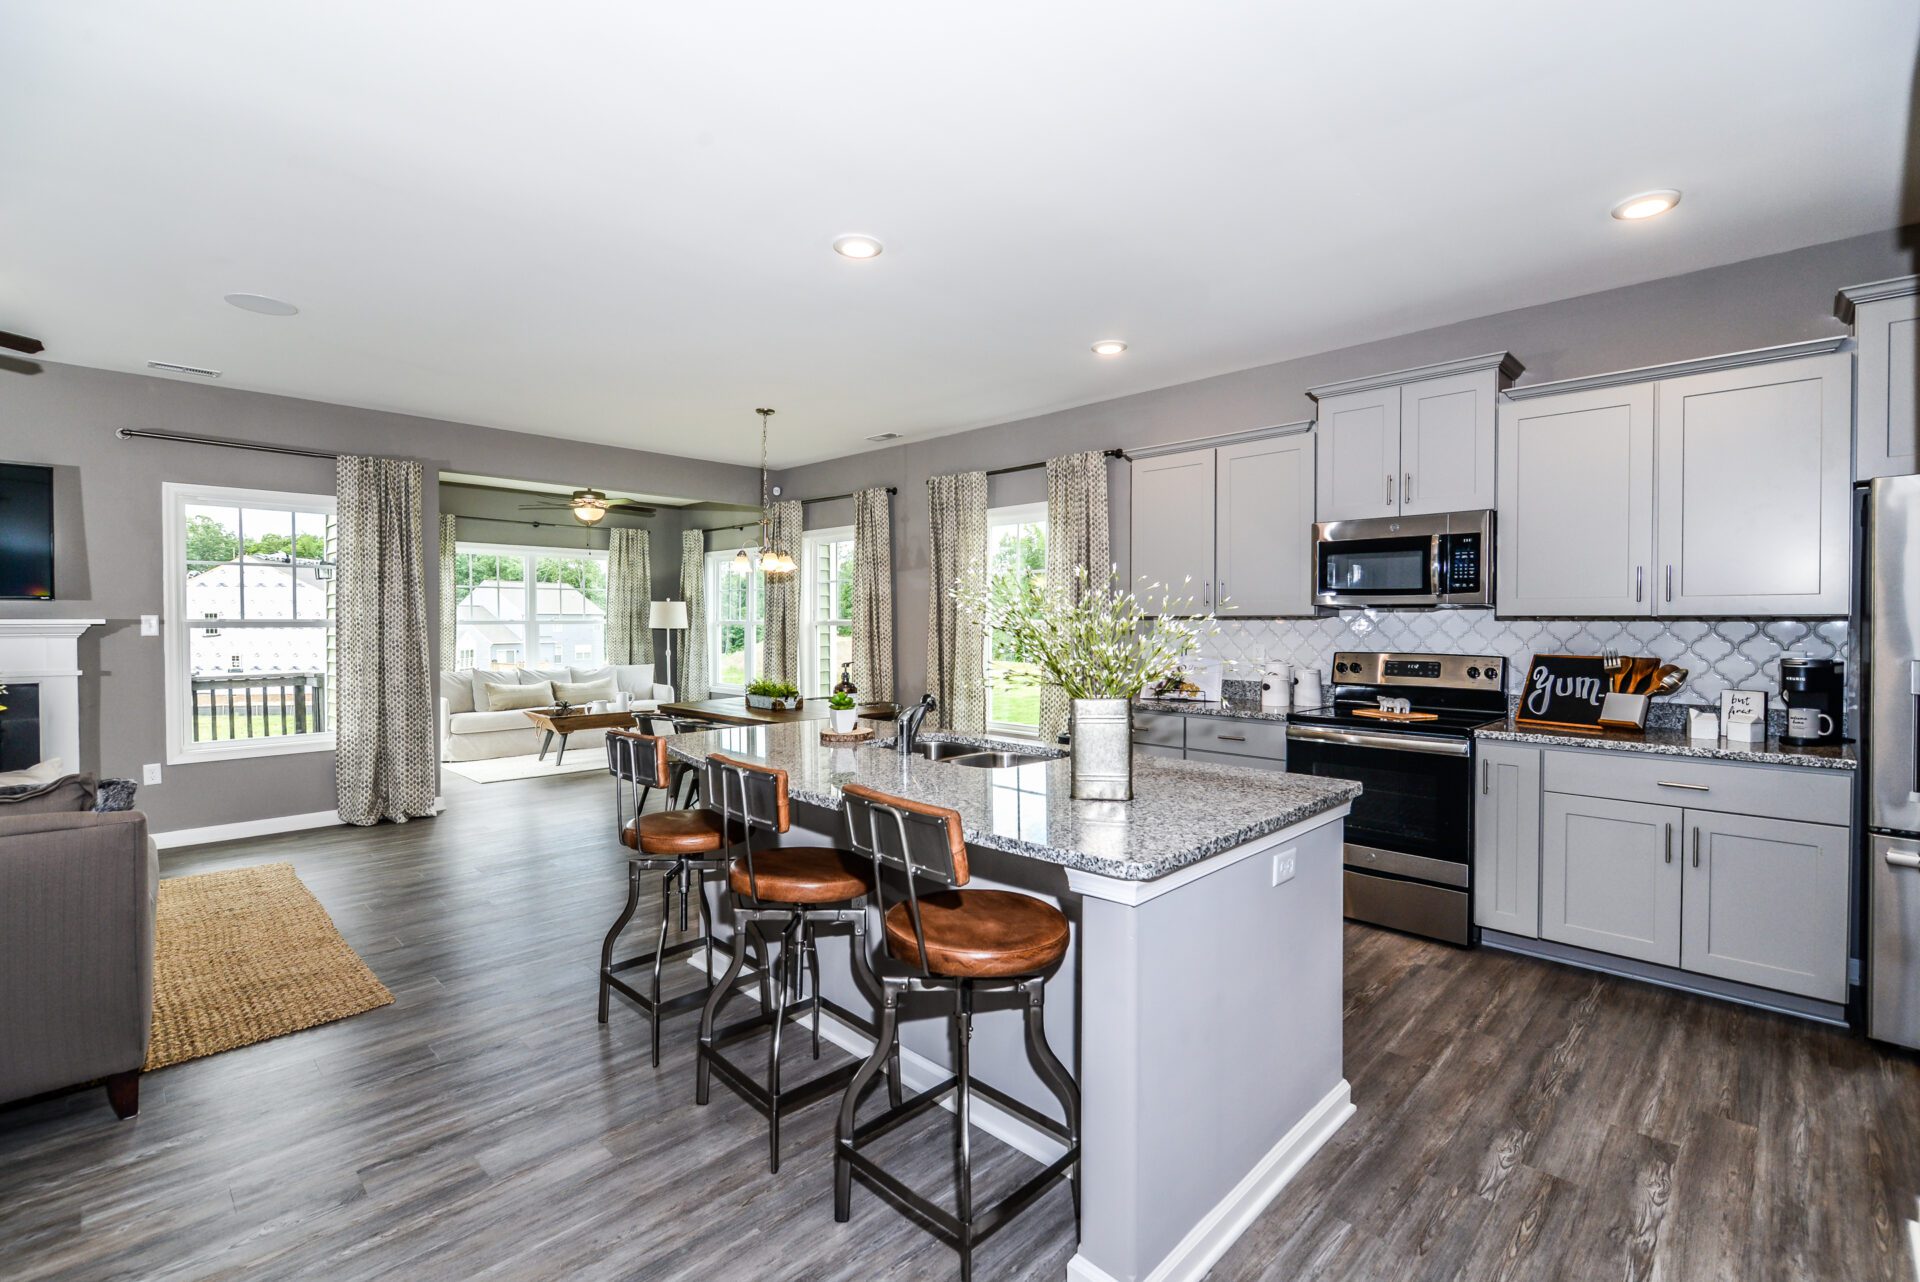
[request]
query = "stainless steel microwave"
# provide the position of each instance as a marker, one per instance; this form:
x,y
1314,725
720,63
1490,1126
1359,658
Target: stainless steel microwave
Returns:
x,y
1445,558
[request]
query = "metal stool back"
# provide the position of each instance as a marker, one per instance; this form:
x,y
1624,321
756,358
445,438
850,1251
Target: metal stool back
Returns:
x,y
923,841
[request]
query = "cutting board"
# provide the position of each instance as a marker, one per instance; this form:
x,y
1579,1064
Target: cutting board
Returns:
x,y
1379,715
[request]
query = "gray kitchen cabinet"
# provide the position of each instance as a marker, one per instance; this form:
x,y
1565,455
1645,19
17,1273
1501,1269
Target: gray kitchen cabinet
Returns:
x,y
1506,839
1411,442
1263,525
1172,531
1753,503
1236,759
1576,493
1765,902
1227,741
1885,317
1610,876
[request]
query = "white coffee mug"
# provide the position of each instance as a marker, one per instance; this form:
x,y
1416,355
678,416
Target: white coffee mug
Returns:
x,y
1808,723
599,705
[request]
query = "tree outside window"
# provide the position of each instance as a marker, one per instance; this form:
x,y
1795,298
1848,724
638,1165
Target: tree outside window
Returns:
x,y
1016,547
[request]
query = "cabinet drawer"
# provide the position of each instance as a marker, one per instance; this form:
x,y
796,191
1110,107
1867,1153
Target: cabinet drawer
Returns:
x,y
1780,792
1241,738
1231,759
1160,729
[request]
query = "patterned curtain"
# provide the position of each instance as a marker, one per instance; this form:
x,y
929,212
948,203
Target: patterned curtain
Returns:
x,y
956,646
629,596
386,759
873,594
693,589
449,595
1076,537
782,655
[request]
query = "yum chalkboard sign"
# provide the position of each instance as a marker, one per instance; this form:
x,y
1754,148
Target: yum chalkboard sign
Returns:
x,y
1564,692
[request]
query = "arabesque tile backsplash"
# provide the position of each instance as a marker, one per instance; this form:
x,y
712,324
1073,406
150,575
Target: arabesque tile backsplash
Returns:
x,y
1719,654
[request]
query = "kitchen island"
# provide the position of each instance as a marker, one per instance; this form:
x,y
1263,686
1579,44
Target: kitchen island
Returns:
x,y
1199,1006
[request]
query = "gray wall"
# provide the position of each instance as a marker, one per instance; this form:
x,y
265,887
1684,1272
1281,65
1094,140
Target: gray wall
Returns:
x,y
109,556
1758,303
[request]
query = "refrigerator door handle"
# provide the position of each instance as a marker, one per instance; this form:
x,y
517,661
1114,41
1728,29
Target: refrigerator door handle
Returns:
x,y
1903,858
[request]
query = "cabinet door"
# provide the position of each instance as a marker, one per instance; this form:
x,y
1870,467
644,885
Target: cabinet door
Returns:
x,y
1888,441
1446,443
1610,876
1359,465
1754,495
1575,531
1263,536
1173,523
1765,902
1506,839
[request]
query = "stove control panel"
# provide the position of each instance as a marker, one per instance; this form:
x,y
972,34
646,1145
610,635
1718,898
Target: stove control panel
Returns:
x,y
1484,672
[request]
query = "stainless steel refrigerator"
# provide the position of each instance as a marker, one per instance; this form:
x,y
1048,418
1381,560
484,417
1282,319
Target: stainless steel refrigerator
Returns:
x,y
1891,692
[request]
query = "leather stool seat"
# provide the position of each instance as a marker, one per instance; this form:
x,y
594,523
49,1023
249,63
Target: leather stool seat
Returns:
x,y
675,832
979,934
802,875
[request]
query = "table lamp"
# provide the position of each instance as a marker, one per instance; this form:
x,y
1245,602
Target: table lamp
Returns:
x,y
668,615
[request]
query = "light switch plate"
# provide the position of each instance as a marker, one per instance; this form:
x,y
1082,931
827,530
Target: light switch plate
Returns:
x,y
150,773
1283,866
149,625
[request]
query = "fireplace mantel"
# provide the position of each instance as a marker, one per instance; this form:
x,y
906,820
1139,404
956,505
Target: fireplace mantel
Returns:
x,y
45,652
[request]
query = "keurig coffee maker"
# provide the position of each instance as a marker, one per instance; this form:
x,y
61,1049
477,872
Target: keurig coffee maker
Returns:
x,y
1813,691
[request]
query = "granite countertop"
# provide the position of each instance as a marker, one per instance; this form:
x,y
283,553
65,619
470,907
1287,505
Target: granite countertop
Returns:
x,y
1181,813
1243,709
1674,743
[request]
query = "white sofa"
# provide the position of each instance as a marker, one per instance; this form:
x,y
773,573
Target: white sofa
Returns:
x,y
472,730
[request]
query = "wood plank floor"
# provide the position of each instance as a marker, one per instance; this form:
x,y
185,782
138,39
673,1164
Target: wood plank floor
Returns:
x,y
1516,1119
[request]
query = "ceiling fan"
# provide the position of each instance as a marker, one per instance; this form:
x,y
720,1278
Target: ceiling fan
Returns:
x,y
589,506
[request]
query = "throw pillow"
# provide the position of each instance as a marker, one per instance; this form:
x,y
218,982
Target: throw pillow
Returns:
x,y
514,698
69,794
486,682
584,691
33,776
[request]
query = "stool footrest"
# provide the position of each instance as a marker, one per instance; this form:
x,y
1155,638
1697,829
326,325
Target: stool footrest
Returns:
x,y
755,1092
905,1111
671,951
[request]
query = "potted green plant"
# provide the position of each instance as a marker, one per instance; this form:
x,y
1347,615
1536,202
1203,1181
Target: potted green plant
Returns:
x,y
1101,645
773,696
840,710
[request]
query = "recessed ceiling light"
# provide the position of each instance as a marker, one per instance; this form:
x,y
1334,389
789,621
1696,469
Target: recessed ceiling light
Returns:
x,y
1109,347
857,247
197,371
1648,204
262,304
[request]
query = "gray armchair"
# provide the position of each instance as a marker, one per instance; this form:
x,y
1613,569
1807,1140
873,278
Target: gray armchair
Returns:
x,y
77,897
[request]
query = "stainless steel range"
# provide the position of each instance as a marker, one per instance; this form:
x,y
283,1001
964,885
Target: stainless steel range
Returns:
x,y
1402,725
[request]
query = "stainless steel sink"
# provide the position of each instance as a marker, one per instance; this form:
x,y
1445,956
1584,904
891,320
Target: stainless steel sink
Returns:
x,y
998,760
944,750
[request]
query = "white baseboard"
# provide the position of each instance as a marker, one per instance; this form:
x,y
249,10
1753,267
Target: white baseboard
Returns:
x,y
256,828
919,1073
1219,1228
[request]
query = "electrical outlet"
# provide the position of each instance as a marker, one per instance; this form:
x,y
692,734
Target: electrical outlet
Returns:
x,y
149,625
150,774
1283,866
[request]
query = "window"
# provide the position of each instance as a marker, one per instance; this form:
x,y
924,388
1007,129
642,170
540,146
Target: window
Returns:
x,y
736,620
520,605
1016,545
250,613
826,603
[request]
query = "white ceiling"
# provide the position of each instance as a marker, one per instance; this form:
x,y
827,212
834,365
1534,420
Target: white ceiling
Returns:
x,y
611,222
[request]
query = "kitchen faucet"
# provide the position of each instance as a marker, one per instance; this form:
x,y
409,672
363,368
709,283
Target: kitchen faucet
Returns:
x,y
908,728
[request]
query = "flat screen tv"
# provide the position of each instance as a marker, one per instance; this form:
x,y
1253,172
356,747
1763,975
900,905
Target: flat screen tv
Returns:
x,y
26,532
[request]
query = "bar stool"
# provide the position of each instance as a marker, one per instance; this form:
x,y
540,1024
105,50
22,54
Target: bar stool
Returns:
x,y
950,941
796,889
686,846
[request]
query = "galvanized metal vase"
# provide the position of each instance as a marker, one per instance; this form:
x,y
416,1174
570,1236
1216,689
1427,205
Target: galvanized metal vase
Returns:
x,y
1103,749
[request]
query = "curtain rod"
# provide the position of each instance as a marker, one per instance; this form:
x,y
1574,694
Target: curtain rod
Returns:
x,y
1028,467
541,525
830,498
187,438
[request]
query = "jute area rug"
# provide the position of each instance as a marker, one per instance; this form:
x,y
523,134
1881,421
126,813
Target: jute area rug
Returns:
x,y
244,955
502,769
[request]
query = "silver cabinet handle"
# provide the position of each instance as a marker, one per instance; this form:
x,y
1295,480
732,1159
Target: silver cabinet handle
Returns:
x,y
1639,583
1690,787
1389,489
1406,487
1391,742
1696,846
1483,776
1669,843
1231,738
1903,859
1669,583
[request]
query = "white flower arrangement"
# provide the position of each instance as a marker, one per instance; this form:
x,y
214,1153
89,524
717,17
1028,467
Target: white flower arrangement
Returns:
x,y
1108,644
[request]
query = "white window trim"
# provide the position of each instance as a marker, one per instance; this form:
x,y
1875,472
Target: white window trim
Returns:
x,y
714,561
175,496
1013,514
810,639
530,638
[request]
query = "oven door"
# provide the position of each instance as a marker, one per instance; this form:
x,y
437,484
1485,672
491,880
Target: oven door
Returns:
x,y
1382,561
1414,817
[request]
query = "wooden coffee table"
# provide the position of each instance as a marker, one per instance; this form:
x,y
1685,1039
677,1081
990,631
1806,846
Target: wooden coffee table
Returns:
x,y
735,711
565,724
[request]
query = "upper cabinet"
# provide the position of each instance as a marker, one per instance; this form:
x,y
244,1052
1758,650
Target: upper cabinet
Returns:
x,y
1237,520
1714,487
1886,324
1412,442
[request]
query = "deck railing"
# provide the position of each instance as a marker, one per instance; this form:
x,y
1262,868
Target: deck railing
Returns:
x,y
259,704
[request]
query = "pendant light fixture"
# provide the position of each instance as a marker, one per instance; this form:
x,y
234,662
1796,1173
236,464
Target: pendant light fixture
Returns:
x,y
773,561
